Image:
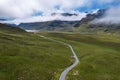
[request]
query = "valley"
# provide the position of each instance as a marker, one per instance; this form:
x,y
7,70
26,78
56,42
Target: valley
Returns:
x,y
28,56
98,55
59,39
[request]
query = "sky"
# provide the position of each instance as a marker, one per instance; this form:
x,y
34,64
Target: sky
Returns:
x,y
17,11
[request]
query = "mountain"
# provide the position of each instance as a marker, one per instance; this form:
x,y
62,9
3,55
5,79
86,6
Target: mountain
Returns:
x,y
88,26
91,16
58,25
10,29
83,26
64,14
2,19
55,25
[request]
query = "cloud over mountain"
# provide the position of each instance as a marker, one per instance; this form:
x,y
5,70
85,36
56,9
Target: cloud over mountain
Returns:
x,y
25,8
112,16
34,9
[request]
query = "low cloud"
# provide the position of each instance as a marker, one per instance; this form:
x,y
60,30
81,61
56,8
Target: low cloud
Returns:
x,y
47,18
112,16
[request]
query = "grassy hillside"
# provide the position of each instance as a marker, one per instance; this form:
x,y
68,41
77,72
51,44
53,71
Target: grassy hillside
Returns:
x,y
26,56
98,28
10,29
99,56
55,25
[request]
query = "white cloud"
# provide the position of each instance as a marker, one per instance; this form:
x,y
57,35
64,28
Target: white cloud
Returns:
x,y
112,16
47,18
23,9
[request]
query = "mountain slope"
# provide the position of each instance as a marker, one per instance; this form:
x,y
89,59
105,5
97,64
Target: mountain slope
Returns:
x,y
99,55
10,29
50,25
64,14
87,24
27,56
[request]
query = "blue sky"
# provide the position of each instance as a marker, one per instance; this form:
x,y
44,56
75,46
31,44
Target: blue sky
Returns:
x,y
95,6
27,9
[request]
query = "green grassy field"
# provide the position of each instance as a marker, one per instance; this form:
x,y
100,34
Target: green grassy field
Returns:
x,y
99,55
26,56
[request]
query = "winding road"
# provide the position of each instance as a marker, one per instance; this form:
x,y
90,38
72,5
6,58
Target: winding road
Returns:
x,y
68,69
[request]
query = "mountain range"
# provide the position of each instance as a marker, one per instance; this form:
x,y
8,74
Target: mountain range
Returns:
x,y
88,24
84,25
55,25
64,14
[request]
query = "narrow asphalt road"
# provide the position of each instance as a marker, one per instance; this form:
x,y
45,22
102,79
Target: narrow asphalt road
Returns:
x,y
68,69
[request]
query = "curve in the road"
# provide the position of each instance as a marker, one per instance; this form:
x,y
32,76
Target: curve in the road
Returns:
x,y
68,69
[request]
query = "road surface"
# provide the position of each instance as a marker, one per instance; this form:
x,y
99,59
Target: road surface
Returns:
x,y
68,69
